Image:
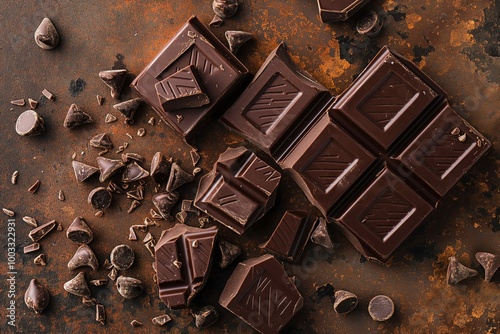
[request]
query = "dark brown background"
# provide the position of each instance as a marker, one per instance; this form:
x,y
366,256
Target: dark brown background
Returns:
x,y
455,42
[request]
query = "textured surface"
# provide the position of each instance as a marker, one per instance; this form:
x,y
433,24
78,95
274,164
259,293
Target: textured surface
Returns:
x,y
455,42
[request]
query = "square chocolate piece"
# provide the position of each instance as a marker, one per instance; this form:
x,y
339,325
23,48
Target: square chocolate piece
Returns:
x,y
220,73
339,10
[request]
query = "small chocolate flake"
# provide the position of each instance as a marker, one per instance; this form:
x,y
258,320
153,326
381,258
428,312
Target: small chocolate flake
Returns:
x,y
216,22
48,95
236,39
479,142
125,144
40,260
107,265
326,290
141,132
133,206
229,253
152,121
99,282
134,194
206,316
181,216
127,157
113,274
59,227
196,170
150,246
19,102
99,214
148,221
100,314
345,301
155,215
100,99
30,221
73,156
179,118
132,236
462,138
13,178
161,320
178,264
455,131
41,231
34,188
147,238
33,104
60,196
125,186
195,243
8,212
110,118
195,157
136,323
31,248
89,301
457,272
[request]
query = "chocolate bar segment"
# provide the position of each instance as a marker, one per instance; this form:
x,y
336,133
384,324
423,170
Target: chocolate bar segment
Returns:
x,y
291,235
260,293
239,190
183,258
280,103
339,10
220,73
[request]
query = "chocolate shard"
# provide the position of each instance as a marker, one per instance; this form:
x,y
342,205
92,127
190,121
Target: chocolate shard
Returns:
x,y
48,95
225,8
29,123
83,171
216,21
36,297
41,231
206,316
136,323
321,236
490,263
133,172
114,79
40,260
381,308
160,168
99,282
129,287
46,35
290,237
332,11
108,167
229,253
100,198
370,25
76,117
78,285
101,140
457,272
345,301
84,257
33,104
164,202
178,177
31,248
110,118
250,293
128,157
128,109
122,257
100,314
239,190
182,90
235,39
19,102
79,232
161,320
181,268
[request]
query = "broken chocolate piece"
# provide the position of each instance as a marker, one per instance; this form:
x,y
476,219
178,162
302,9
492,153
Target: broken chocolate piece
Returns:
x,y
29,123
133,172
100,198
122,257
229,253
321,236
79,232
164,202
133,206
490,263
33,104
108,167
19,103
136,323
30,221
113,274
114,79
48,94
290,237
225,8
457,272
206,316
161,320
84,257
160,168
178,177
76,117
40,260
34,187
78,285
8,212
36,297
60,195
181,216
128,109
326,290
129,287
332,10
345,301
83,171
216,21
46,35
110,118
100,314
100,99
182,90
132,236
236,39
183,269
41,231
89,301
381,308
99,282
101,141
13,178
195,157
370,25
141,132
250,293
31,248
127,157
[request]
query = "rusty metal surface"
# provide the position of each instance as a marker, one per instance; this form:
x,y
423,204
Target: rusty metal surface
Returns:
x,y
455,42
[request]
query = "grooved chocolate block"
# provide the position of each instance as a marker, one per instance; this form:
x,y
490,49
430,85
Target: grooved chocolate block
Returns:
x,y
339,10
239,190
183,259
291,235
260,293
220,73
282,100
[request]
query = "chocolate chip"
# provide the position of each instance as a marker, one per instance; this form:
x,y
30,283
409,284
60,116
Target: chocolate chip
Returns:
x,y
29,123
79,232
164,203
36,297
236,39
128,109
381,308
100,198
78,286
122,257
490,263
160,168
46,35
129,287
178,177
84,257
161,320
225,8
345,301
114,79
76,117
457,272
34,188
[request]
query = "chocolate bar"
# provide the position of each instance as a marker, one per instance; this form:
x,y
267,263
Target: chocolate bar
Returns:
x,y
339,10
239,190
220,74
183,258
260,293
378,159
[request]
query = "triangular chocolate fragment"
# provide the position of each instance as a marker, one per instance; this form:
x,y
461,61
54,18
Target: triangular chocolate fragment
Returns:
x,y
320,235
236,39
164,202
108,167
229,253
114,79
181,90
110,118
78,285
128,109
134,172
101,141
83,171
84,256
76,117
178,177
160,168
457,272
216,21
79,232
46,35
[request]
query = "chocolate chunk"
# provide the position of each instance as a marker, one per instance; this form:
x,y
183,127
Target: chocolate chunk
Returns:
x,y
128,157
19,102
239,190
225,8
206,316
235,39
381,308
122,257
110,118
46,35
181,90
41,231
457,272
128,109
36,297
134,172
40,260
76,117
29,123
220,73
101,141
79,232
229,253
129,287
78,285
321,236
332,11
31,248
30,221
250,293
100,314
108,167
370,25
83,171
141,132
113,274
48,94
345,301
34,187
164,203
216,21
84,257
100,198
178,177
114,79
490,263
161,320
323,291
183,269
290,237
160,168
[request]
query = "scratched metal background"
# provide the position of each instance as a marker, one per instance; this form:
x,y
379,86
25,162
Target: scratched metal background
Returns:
x,y
455,42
